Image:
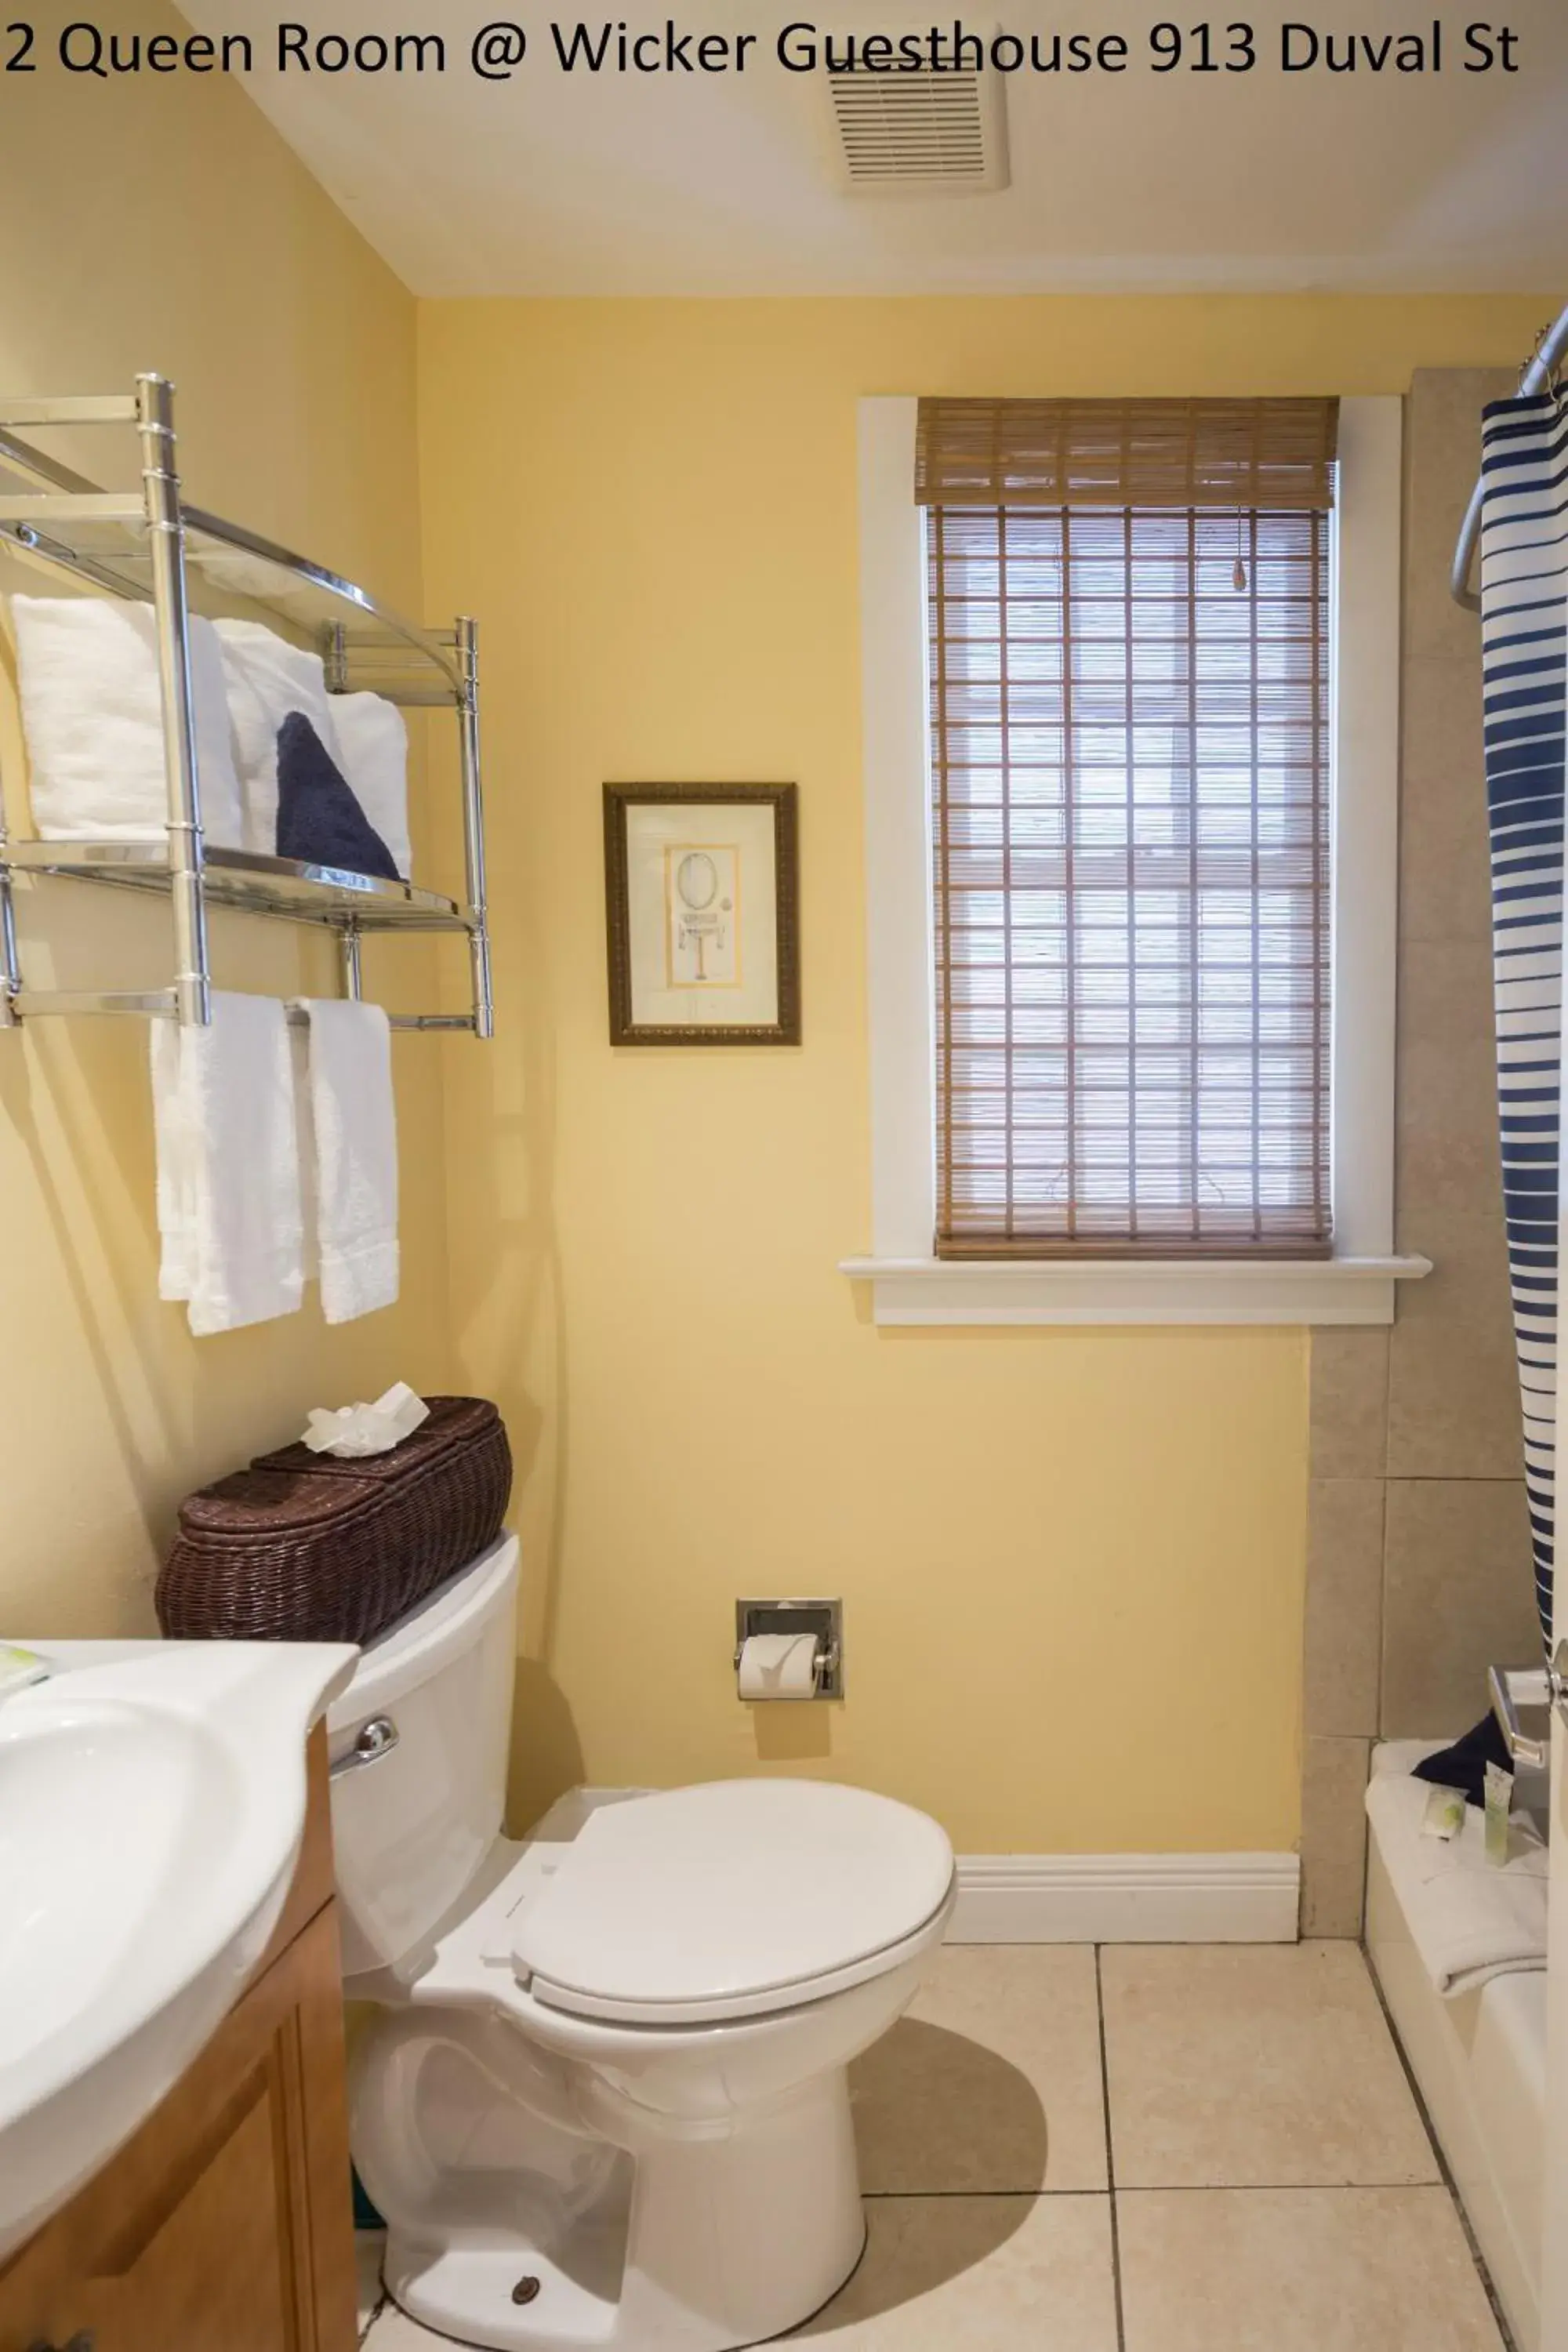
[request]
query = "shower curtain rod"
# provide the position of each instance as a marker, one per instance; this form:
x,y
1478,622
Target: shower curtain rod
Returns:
x,y
1549,353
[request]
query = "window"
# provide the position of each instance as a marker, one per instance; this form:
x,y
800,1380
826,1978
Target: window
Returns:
x,y
1131,859
1130,776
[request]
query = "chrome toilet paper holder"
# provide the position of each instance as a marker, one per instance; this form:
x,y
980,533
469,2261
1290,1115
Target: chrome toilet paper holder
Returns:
x,y
824,1618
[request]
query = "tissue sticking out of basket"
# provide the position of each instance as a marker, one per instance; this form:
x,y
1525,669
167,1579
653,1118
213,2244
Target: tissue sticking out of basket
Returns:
x,y
356,1430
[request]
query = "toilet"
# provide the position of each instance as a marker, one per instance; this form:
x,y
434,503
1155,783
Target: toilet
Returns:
x,y
605,2101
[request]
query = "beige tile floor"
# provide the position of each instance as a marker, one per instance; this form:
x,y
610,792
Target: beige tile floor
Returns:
x,y
1263,2183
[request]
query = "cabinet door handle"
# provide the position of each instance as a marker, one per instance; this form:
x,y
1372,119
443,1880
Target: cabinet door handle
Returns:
x,y
82,2341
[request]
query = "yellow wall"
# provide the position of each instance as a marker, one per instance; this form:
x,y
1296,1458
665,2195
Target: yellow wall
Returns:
x,y
162,223
1071,1561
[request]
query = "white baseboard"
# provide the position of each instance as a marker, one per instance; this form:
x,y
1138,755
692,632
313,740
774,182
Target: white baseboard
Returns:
x,y
1126,1898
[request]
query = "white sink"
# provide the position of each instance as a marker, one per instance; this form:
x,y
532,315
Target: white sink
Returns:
x,y
152,1804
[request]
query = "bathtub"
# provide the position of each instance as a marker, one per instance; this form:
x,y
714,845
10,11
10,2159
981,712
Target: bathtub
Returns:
x,y
1480,2062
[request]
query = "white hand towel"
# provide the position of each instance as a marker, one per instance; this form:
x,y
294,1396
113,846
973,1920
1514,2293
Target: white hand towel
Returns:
x,y
269,678
373,740
354,1126
1469,1919
228,1165
177,1166
92,712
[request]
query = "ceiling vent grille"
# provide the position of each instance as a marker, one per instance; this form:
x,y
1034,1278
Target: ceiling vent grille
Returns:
x,y
921,132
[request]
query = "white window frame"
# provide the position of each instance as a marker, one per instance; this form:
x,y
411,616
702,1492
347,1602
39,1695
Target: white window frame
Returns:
x,y
909,1285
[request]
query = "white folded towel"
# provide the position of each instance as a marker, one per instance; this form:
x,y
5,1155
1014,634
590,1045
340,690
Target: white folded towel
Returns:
x,y
353,1127
92,713
267,679
1468,1919
228,1165
373,740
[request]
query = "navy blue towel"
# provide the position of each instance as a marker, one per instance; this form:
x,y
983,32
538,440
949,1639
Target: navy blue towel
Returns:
x,y
1464,1765
319,820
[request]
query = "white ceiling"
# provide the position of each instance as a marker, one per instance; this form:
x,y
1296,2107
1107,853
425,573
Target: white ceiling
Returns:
x,y
688,184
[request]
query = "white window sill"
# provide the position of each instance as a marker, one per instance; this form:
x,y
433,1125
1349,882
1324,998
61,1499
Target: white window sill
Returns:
x,y
1133,1290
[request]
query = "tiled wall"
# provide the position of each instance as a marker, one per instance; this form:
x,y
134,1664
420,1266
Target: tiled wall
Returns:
x,y
1419,1554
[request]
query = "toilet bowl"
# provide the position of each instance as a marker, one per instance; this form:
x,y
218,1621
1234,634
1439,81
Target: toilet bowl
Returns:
x,y
604,2100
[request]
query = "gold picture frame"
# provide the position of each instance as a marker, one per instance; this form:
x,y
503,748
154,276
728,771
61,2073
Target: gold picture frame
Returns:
x,y
703,913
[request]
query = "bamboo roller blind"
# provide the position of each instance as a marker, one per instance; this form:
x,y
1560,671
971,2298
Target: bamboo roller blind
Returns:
x,y
1274,454
1131,787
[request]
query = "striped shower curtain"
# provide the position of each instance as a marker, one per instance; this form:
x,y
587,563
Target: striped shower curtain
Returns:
x,y
1524,614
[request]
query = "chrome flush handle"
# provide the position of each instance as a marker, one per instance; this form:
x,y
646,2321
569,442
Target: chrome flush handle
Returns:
x,y
377,1738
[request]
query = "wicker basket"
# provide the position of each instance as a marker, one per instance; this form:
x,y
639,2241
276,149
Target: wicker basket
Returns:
x,y
303,1547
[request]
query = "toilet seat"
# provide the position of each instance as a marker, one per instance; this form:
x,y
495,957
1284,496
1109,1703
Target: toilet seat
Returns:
x,y
729,1900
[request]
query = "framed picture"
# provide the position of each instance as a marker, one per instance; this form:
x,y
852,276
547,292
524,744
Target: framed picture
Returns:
x,y
703,894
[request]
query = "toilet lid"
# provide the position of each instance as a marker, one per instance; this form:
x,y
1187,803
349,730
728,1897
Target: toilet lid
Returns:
x,y
730,1898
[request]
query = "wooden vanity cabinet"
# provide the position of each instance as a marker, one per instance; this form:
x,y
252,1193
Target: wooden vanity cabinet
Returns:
x,y
224,2224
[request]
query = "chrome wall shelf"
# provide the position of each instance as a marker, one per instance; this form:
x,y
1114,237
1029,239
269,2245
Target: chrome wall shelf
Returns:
x,y
151,547
258,886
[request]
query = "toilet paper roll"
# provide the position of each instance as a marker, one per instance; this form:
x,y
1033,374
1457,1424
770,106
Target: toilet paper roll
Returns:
x,y
778,1666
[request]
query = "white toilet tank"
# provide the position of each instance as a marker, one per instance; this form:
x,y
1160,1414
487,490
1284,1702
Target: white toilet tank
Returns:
x,y
412,1824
